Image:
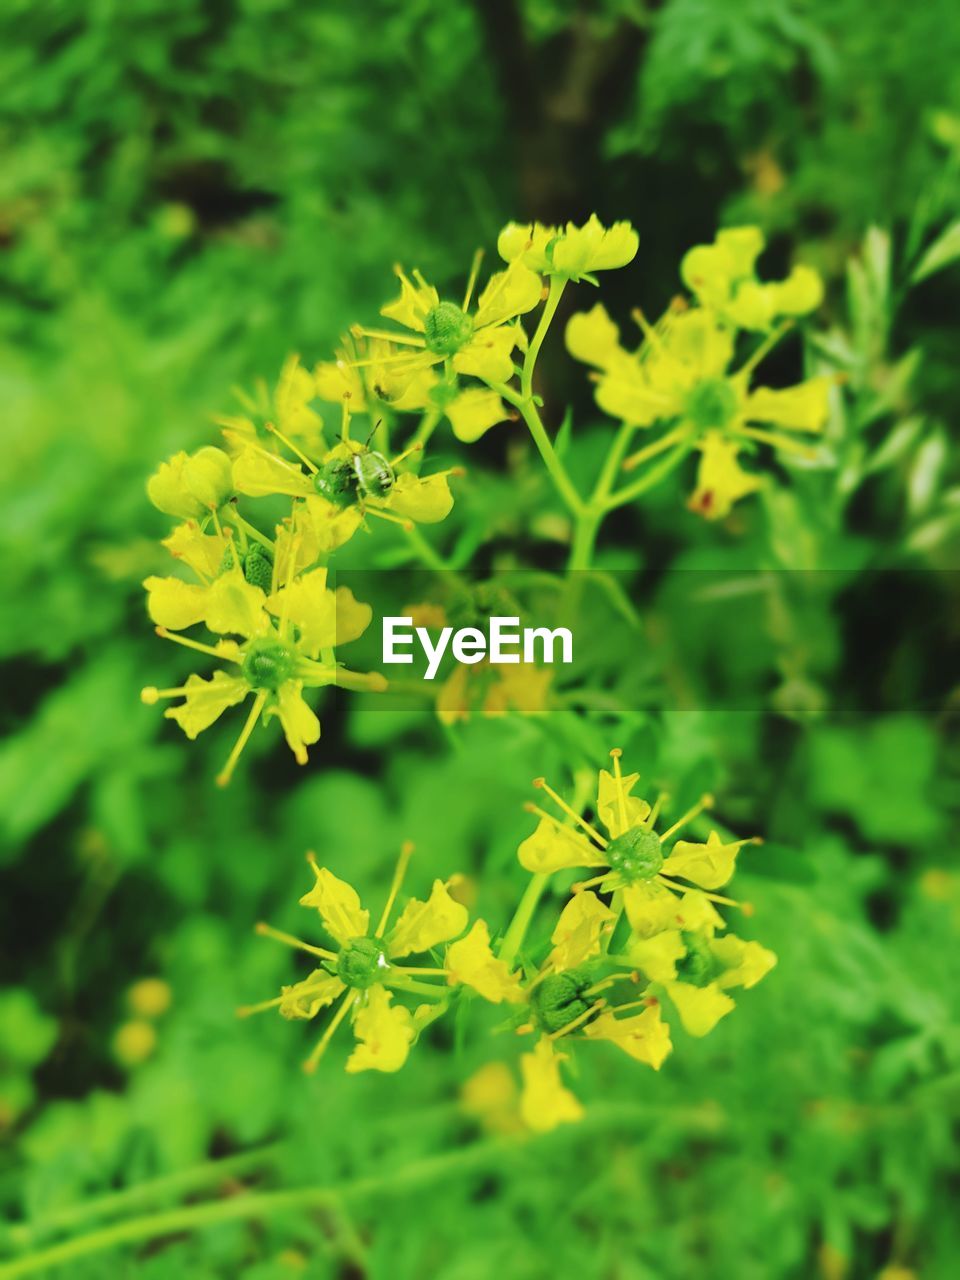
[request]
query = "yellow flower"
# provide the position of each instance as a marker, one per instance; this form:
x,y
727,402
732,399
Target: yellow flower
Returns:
x,y
696,968
494,691
471,962
721,481
350,482
190,486
634,859
477,343
723,278
545,1102
288,645
682,376
644,1036
377,376
288,408
571,251
368,374
362,972
490,1096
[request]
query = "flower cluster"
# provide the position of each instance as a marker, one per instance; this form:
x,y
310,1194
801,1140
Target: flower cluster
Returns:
x,y
276,623
683,383
642,929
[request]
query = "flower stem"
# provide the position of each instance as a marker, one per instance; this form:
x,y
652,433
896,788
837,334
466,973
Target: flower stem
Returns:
x,y
517,929
649,479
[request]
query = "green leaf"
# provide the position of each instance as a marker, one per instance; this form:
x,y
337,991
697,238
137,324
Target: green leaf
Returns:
x,y
944,251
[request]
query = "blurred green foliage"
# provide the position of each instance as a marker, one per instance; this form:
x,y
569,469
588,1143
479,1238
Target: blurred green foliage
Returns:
x,y
190,191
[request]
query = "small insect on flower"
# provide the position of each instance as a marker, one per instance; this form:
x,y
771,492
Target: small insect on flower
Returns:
x,y
361,970
349,482
365,473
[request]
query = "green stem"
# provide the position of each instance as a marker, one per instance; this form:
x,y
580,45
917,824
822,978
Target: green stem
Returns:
x,y
428,554
428,424
250,531
400,983
528,411
517,929
524,401
591,517
196,1178
649,479
584,537
557,286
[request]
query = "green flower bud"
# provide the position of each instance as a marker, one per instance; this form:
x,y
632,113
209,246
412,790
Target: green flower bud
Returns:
x,y
361,963
447,329
190,486
711,404
559,999
268,664
258,567
636,855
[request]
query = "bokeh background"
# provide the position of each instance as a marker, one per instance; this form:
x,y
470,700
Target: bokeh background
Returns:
x,y
189,192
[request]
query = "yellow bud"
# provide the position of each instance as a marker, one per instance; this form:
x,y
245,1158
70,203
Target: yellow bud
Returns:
x,y
134,1042
189,486
149,998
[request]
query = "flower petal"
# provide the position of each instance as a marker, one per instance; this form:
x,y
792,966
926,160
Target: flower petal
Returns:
x,y
488,354
295,388
608,803
424,924
203,552
411,307
175,604
552,847
803,407
658,956
331,525
708,865
258,475
339,906
576,937
384,1031
206,700
508,294
305,999
474,412
235,607
744,962
650,908
472,963
425,500
545,1102
301,728
592,337
529,242
644,1036
700,1008
721,481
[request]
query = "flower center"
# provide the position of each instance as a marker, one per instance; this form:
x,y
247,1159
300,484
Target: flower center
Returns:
x,y
636,855
268,664
559,999
447,329
361,963
711,404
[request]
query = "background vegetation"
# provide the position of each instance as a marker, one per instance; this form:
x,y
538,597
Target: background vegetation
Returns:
x,y
187,193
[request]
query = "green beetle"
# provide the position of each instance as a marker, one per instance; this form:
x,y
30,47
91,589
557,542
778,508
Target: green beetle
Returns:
x,y
365,474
